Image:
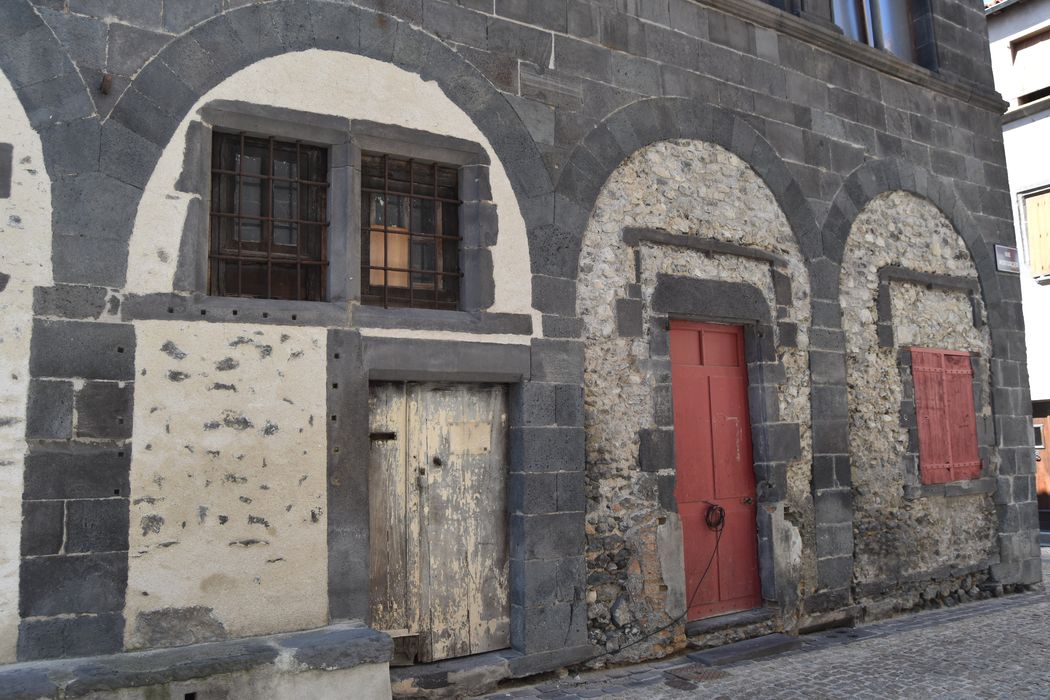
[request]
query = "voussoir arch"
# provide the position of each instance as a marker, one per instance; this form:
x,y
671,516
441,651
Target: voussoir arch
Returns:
x,y
168,86
875,177
644,122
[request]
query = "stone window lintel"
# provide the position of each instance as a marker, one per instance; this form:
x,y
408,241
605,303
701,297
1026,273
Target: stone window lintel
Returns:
x,y
896,273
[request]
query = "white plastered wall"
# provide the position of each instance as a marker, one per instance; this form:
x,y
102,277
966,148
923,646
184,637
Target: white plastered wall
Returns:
x,y
25,255
343,85
228,499
1027,143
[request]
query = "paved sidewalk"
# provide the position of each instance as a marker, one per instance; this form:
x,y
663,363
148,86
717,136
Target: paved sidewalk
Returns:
x,y
997,648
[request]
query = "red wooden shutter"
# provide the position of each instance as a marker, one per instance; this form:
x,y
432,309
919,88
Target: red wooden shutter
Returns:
x,y
962,421
945,414
931,416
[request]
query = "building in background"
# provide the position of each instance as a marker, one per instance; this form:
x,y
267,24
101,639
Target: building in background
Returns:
x,y
1019,33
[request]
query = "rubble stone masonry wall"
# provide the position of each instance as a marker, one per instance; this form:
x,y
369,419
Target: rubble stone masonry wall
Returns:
x,y
695,189
906,539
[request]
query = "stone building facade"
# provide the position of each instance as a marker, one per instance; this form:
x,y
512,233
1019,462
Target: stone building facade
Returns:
x,y
195,472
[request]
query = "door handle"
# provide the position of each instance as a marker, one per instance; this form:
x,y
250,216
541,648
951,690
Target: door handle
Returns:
x,y
748,500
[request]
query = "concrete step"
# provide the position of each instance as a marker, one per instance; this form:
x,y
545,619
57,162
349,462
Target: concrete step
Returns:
x,y
756,648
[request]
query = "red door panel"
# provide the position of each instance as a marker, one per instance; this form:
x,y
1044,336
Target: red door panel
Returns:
x,y
685,344
694,448
739,585
714,467
731,433
698,543
720,348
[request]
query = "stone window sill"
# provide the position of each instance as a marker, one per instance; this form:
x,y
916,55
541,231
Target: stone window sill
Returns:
x,y
972,487
336,314
364,316
200,307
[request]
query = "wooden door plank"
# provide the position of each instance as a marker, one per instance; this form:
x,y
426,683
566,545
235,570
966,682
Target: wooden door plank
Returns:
x,y
447,525
931,415
690,389
391,586
464,519
418,535
490,628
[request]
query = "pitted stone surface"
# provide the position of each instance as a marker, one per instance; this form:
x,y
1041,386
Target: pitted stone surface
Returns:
x,y
682,187
896,537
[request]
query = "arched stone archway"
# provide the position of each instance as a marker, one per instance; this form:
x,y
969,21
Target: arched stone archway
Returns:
x,y
397,98
905,271
1006,353
689,211
150,110
644,122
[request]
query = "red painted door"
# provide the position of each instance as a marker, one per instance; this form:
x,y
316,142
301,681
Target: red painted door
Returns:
x,y
714,467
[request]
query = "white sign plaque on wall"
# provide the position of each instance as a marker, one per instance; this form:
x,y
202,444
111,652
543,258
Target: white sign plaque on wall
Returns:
x,y
1006,259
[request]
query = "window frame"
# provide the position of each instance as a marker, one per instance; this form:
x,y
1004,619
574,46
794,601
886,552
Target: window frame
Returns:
x,y
6,166
1037,436
1025,232
264,121
345,139
1020,99
435,294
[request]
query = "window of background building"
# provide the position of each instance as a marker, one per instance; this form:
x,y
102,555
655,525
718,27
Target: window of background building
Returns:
x,y
1037,434
410,232
944,411
1037,225
268,219
1032,66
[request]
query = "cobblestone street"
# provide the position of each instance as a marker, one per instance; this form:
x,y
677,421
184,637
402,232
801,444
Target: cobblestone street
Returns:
x,y
997,648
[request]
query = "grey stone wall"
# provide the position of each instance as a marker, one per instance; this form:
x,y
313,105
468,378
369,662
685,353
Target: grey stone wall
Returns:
x,y
74,571
565,91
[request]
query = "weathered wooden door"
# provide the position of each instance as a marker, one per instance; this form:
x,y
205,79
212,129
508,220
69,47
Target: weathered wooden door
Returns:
x,y
438,539
714,467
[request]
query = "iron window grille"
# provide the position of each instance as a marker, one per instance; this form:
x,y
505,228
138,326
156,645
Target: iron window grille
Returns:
x,y
268,218
410,232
